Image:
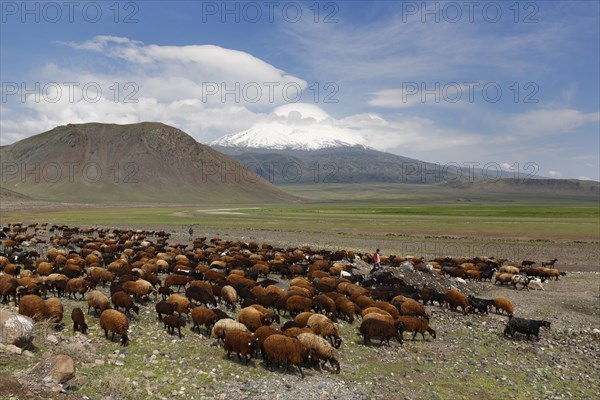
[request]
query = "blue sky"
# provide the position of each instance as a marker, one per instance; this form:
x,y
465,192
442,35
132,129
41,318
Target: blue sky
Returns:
x,y
489,82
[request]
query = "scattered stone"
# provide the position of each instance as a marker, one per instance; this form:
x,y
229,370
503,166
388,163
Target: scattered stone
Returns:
x,y
11,348
52,339
16,329
59,368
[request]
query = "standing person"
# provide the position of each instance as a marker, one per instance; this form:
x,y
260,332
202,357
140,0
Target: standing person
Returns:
x,y
376,261
191,232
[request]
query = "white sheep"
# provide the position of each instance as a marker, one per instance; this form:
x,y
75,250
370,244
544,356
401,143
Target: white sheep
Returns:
x,y
536,284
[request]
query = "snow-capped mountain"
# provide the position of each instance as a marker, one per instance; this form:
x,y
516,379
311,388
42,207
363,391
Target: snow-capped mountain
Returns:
x,y
282,137
294,127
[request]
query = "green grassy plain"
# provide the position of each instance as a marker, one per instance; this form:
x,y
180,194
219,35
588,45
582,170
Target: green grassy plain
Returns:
x,y
404,210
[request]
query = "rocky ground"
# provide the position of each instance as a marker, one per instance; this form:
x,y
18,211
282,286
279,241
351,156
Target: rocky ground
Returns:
x,y
469,358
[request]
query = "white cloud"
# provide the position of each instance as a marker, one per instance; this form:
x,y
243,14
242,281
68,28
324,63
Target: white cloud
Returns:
x,y
547,122
445,94
554,174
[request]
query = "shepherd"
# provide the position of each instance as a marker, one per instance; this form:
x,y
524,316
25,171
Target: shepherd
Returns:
x,y
376,261
191,232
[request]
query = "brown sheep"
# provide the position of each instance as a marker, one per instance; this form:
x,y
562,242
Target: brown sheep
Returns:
x,y
254,319
183,305
162,307
503,278
364,301
416,325
45,268
272,289
284,349
504,304
325,305
374,328
455,299
229,296
351,289
214,276
140,289
34,307
323,326
203,316
412,308
302,318
77,285
296,304
8,288
12,269
123,300
264,332
294,331
177,280
202,285
101,275
384,305
299,291
473,275
98,301
380,316
376,310
55,310
116,322
243,343
79,320
346,308
510,269
171,322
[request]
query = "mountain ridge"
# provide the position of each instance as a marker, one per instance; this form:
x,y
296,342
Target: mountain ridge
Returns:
x,y
148,161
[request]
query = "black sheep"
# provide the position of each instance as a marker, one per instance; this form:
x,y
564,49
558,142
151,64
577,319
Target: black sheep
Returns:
x,y
525,326
479,305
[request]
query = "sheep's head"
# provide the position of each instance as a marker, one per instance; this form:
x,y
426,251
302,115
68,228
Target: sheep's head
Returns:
x,y
337,342
253,345
400,327
275,318
266,319
335,364
546,324
431,332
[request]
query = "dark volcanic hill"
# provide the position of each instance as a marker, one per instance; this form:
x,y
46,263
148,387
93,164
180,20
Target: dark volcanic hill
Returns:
x,y
345,164
359,164
145,162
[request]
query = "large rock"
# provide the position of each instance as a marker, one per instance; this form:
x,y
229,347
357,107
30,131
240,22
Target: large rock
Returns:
x,y
15,329
58,369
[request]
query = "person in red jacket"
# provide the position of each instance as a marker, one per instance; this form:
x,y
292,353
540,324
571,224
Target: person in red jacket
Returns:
x,y
376,261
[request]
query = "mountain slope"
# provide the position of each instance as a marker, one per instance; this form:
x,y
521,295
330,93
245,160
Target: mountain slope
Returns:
x,y
363,165
146,162
347,164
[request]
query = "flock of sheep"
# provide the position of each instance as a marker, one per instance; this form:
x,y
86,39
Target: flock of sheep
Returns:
x,y
195,284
